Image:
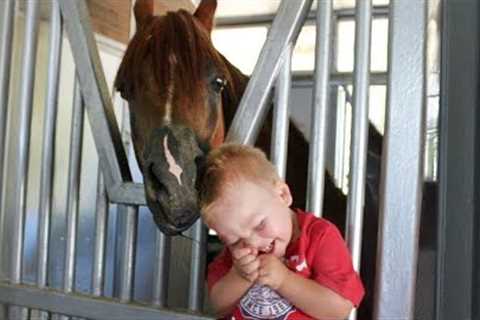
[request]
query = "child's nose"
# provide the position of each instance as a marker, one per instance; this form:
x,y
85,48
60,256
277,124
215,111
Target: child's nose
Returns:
x,y
254,241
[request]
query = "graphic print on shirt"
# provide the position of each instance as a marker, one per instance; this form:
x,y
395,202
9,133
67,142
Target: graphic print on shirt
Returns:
x,y
294,262
261,302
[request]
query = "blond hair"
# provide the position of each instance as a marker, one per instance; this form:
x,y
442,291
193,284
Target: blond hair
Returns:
x,y
231,163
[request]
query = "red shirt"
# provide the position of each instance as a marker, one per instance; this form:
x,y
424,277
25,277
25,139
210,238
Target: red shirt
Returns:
x,y
319,254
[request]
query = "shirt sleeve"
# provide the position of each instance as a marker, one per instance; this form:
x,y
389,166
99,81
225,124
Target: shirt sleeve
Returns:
x,y
219,267
332,266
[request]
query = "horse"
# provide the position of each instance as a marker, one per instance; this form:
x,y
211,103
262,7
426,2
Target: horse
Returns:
x,y
182,96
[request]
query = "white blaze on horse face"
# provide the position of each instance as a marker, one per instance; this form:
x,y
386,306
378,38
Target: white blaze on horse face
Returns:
x,y
168,105
173,167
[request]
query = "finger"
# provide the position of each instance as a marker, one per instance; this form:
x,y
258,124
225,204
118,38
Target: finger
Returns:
x,y
238,253
251,267
240,245
246,259
252,277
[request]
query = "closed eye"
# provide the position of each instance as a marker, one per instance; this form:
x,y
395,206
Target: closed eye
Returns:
x,y
260,226
232,243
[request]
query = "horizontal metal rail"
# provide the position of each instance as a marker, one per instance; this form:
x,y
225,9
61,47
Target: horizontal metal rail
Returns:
x,y
84,306
128,193
266,19
305,79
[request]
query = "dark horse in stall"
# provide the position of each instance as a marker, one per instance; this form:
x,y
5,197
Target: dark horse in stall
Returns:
x,y
182,96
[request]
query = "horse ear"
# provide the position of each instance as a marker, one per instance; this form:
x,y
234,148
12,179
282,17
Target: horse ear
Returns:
x,y
205,13
143,9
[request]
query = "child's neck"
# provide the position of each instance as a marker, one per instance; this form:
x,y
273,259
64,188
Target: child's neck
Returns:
x,y
295,227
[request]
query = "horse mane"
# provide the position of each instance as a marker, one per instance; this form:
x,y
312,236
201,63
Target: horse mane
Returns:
x,y
178,36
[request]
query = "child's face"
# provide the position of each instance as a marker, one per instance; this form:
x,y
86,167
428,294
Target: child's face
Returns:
x,y
254,215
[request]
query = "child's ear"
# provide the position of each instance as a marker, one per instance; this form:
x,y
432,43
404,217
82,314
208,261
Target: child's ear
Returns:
x,y
284,192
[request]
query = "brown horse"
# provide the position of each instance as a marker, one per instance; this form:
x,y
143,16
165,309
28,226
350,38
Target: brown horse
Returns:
x,y
182,97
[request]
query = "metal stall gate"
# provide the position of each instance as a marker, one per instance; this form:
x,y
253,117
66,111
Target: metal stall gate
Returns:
x,y
401,171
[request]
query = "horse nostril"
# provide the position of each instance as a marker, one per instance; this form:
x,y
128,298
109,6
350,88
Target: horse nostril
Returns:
x,y
157,185
182,216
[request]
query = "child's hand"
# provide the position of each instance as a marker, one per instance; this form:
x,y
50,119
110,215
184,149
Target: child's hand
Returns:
x,y
245,261
272,271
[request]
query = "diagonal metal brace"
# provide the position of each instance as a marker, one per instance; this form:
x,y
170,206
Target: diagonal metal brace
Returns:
x,y
253,109
113,159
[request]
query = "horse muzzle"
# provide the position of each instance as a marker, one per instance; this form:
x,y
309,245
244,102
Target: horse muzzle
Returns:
x,y
170,174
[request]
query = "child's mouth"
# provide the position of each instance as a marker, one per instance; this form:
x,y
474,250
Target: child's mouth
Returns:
x,y
268,249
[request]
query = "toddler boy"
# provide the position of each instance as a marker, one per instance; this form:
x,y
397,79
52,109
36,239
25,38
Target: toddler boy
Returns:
x,y
277,263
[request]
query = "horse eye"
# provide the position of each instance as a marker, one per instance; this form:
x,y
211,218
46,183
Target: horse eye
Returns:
x,y
219,84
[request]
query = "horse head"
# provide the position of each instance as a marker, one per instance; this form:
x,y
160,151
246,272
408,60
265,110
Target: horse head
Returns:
x,y
180,92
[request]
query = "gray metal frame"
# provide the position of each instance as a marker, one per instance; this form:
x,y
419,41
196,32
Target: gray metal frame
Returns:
x,y
15,214
23,143
252,109
94,89
56,31
85,306
359,141
281,114
76,140
320,109
458,258
127,230
197,266
47,175
401,184
101,229
266,19
5,63
402,153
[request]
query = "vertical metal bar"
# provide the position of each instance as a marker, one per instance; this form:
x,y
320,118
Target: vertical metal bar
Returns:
x,y
336,95
5,63
162,269
197,272
281,114
48,147
457,249
101,227
359,140
252,109
331,147
47,172
6,37
126,241
73,190
401,179
17,228
340,137
23,143
320,106
126,244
